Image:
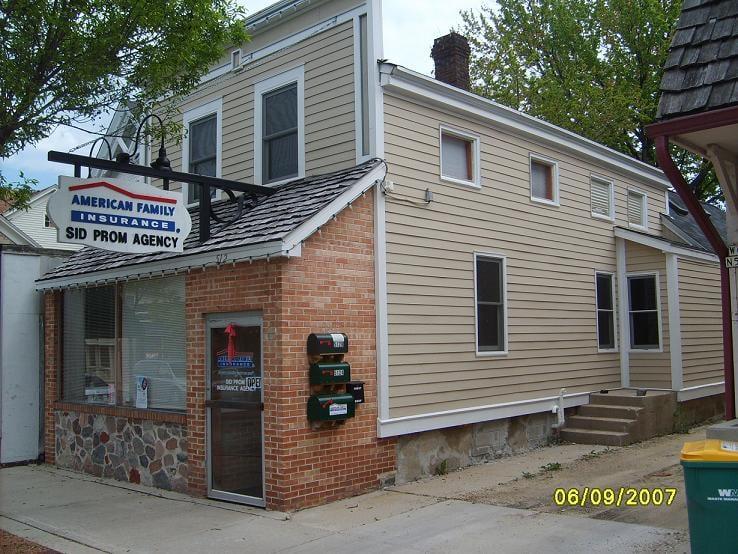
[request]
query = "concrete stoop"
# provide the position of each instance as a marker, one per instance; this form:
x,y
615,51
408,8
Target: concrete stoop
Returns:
x,y
620,417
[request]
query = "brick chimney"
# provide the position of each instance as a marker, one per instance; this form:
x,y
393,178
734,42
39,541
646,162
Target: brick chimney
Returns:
x,y
451,56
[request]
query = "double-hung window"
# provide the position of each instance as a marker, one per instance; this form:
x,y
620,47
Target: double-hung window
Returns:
x,y
201,150
279,145
643,306
490,304
605,298
459,157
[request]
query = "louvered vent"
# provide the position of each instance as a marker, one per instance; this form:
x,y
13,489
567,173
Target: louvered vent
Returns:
x,y
601,198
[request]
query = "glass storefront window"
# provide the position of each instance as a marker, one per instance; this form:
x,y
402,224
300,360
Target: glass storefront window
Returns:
x,y
125,345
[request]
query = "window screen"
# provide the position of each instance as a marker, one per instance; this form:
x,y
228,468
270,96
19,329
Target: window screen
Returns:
x,y
203,152
541,180
644,318
457,157
153,342
601,197
280,134
89,361
605,312
490,305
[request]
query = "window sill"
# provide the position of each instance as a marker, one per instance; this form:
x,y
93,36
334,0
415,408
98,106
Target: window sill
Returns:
x,y
492,354
646,351
638,227
283,181
122,411
603,217
545,202
461,182
608,351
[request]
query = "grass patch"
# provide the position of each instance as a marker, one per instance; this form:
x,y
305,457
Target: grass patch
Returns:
x,y
528,475
551,466
442,468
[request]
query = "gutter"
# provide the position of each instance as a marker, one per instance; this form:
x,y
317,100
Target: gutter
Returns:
x,y
667,164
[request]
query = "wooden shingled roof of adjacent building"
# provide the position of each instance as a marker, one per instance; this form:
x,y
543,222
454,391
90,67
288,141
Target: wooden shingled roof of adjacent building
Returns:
x,y
701,70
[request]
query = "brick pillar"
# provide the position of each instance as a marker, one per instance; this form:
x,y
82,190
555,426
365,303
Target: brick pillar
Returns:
x,y
51,329
451,56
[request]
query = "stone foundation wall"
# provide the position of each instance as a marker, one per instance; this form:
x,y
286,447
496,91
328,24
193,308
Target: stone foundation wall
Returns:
x,y
136,451
436,452
693,412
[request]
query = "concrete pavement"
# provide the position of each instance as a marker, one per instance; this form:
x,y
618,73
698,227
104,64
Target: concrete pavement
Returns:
x,y
71,512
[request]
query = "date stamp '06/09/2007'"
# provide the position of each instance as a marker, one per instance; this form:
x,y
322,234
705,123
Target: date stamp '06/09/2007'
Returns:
x,y
614,497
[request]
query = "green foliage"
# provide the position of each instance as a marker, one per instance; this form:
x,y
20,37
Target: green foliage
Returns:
x,y
528,475
442,468
16,195
551,466
591,66
64,62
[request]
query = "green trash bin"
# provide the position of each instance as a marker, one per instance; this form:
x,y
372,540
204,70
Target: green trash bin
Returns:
x,y
711,482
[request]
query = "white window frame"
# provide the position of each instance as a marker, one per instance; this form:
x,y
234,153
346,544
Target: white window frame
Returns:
x,y
235,59
614,312
190,116
532,157
654,274
505,350
468,136
295,75
644,201
611,183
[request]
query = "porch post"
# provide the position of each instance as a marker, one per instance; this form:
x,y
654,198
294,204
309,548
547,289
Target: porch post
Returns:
x,y
623,318
675,324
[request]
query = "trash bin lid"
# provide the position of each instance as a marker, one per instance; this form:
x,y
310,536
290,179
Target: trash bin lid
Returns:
x,y
710,450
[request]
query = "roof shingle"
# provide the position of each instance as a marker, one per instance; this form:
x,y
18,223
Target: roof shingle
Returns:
x,y
701,68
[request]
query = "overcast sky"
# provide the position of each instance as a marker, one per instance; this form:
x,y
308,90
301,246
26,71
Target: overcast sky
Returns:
x,y
409,29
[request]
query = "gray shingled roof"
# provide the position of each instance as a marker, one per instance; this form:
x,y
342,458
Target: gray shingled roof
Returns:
x,y
683,220
264,219
701,70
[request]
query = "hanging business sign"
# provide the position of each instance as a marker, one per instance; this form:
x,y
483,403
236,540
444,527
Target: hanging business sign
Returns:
x,y
121,215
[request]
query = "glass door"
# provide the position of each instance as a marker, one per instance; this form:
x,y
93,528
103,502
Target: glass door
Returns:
x,y
234,406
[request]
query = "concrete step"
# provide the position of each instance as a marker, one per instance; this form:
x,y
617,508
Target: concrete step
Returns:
x,y
621,425
588,436
610,410
617,398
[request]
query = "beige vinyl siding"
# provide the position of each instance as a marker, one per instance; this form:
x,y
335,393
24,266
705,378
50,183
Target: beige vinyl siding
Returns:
x,y
651,369
31,222
702,338
329,104
552,254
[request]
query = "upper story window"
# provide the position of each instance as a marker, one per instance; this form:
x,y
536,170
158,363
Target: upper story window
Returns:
x,y
279,145
544,180
47,221
459,157
489,275
201,150
235,59
637,209
602,198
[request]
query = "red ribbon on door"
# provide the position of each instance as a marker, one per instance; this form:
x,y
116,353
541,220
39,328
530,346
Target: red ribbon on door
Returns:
x,y
230,330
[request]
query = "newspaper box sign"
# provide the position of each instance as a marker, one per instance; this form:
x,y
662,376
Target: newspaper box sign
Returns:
x,y
120,215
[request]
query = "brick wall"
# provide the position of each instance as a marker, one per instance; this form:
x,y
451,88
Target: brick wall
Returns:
x,y
329,288
51,330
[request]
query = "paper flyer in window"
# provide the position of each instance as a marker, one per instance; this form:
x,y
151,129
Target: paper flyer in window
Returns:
x,y
142,392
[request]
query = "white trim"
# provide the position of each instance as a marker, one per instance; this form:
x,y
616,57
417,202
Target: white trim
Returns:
x,y
665,246
505,351
330,210
450,418
358,97
160,268
294,75
667,210
400,79
700,391
614,313
611,183
656,276
675,325
644,208
466,136
190,116
623,316
554,165
671,226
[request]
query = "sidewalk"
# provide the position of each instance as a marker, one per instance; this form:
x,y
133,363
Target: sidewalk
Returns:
x,y
71,512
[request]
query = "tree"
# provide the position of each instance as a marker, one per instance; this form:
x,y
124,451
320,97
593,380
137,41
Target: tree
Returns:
x,y
65,62
591,66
